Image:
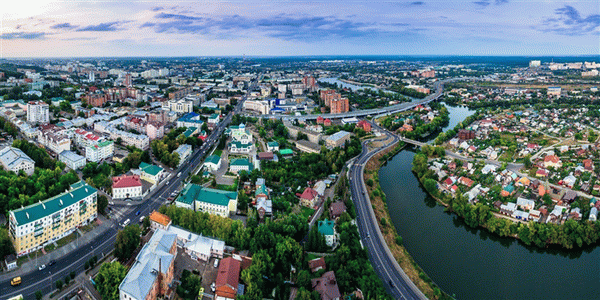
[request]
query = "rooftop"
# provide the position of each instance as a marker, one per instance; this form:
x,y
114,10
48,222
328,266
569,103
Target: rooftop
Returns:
x,y
125,181
192,192
143,273
34,212
150,169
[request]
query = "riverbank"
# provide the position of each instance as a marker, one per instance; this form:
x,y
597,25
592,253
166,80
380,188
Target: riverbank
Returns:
x,y
393,240
362,84
567,234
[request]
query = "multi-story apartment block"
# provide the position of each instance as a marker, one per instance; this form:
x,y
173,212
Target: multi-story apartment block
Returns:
x,y
38,112
339,106
39,224
54,140
99,151
13,159
153,129
191,119
184,152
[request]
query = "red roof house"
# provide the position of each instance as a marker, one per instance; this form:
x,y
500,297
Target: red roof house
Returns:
x,y
228,278
308,197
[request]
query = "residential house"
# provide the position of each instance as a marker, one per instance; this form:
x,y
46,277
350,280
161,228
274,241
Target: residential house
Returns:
x,y
552,161
317,264
309,197
159,221
272,146
336,209
228,279
73,160
525,204
326,286
327,229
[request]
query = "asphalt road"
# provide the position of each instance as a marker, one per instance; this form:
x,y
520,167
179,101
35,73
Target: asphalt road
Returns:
x,y
393,277
44,280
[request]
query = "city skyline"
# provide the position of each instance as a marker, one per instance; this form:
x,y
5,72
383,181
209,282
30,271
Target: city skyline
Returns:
x,y
111,28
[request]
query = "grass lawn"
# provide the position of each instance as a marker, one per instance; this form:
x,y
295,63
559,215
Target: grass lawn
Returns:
x,y
307,212
87,228
311,256
67,239
50,247
218,152
22,259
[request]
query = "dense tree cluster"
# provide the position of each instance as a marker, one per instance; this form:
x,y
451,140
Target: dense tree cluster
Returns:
x,y
296,171
163,149
127,241
39,155
8,127
407,91
190,285
109,278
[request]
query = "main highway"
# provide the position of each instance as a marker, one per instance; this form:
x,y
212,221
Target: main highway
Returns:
x,y
75,261
394,279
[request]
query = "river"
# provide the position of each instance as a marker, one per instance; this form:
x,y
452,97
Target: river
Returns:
x,y
472,264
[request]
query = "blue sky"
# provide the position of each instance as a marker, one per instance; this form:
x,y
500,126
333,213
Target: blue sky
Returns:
x,y
47,28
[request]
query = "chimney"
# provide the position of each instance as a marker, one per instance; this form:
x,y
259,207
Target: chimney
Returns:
x,y
159,277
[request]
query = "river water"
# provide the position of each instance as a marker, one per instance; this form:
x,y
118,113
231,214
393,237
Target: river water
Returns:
x,y
353,87
472,264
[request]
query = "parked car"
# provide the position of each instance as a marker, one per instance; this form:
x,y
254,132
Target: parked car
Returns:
x,y
52,262
41,267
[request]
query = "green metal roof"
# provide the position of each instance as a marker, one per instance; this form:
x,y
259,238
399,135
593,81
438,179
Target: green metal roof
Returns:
x,y
241,162
189,131
105,143
326,227
150,169
213,159
213,116
286,151
34,212
273,144
262,189
192,192
241,145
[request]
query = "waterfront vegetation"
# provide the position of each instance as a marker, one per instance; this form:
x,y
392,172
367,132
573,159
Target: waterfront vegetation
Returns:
x,y
393,240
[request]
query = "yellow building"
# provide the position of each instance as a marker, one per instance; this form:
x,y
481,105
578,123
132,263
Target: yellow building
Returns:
x,y
37,225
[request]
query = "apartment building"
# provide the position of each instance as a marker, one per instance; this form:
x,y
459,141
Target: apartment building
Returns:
x,y
339,106
38,112
54,140
42,223
184,152
99,151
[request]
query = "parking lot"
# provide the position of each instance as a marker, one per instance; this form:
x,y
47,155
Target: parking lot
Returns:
x,y
205,269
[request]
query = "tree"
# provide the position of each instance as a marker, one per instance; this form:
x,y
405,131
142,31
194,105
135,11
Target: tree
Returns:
x,y
127,241
102,203
547,199
38,295
190,285
59,284
303,279
108,279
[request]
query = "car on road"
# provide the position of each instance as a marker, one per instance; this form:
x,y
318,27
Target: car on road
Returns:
x,y
15,281
126,222
137,213
52,262
111,203
216,263
213,286
41,267
391,284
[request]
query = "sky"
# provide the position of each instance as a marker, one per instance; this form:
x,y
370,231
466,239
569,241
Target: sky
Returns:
x,y
68,28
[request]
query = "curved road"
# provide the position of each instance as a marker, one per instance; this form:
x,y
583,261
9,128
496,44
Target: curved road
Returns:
x,y
394,279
